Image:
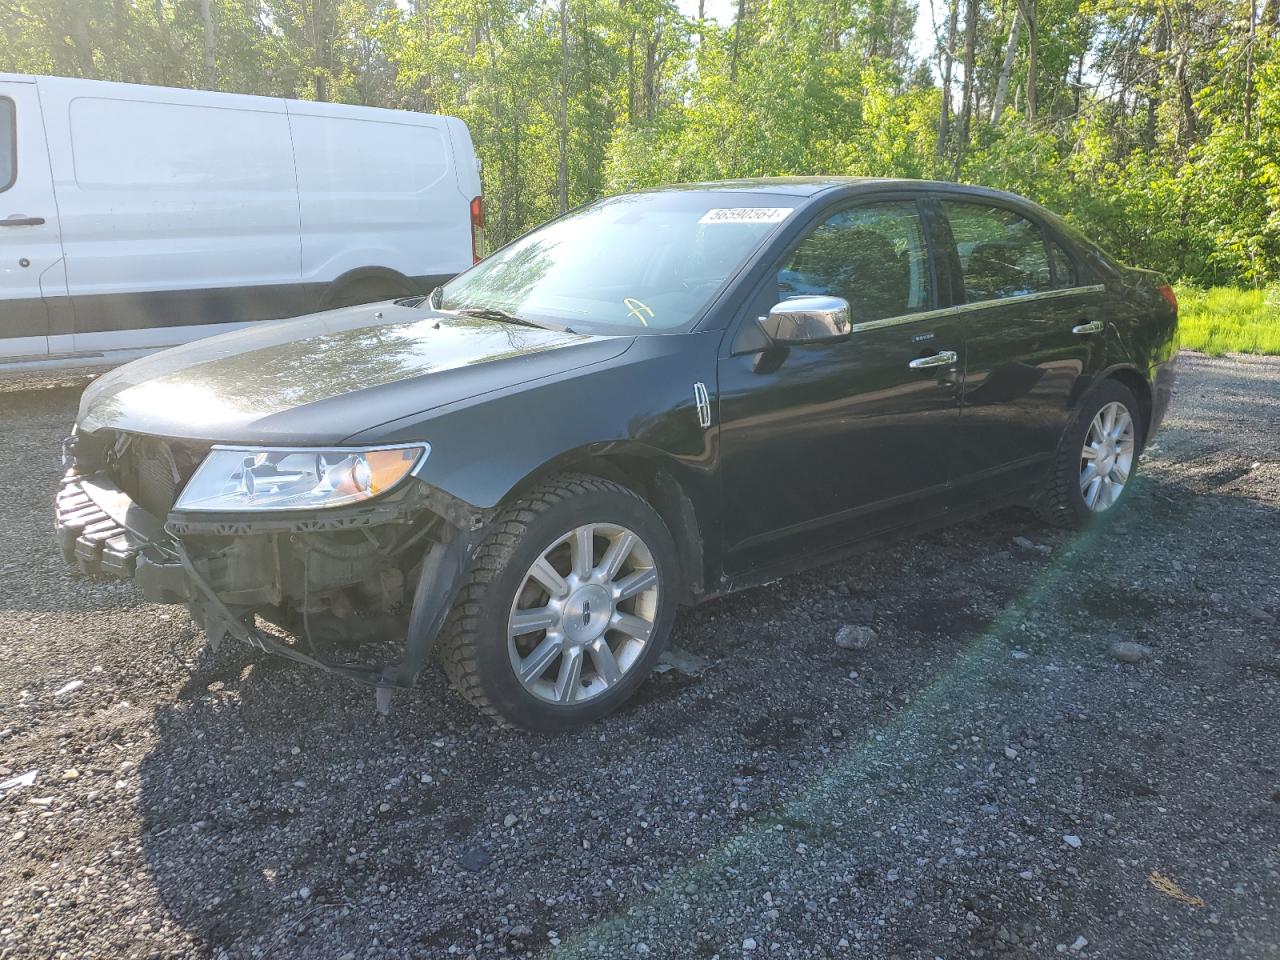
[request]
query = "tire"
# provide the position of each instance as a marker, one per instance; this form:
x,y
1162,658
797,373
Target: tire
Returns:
x,y
1066,500
482,644
366,290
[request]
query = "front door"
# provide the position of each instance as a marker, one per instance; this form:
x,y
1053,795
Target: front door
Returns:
x,y
825,443
1033,339
30,247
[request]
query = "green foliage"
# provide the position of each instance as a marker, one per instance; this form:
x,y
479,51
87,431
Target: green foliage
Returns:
x,y
1228,320
1155,128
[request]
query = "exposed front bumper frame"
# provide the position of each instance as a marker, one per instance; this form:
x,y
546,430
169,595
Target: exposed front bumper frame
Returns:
x,y
106,533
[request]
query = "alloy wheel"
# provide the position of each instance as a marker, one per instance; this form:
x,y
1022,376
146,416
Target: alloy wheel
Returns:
x,y
584,613
1107,458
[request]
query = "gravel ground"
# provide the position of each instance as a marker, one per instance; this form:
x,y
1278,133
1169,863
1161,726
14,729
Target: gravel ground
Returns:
x,y
984,778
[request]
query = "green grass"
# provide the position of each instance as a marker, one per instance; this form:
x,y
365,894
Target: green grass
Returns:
x,y
1228,320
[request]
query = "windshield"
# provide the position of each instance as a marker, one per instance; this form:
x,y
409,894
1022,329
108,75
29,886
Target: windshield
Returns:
x,y
645,262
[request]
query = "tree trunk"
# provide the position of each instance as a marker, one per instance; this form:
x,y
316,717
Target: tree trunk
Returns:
x,y
944,110
1160,45
562,159
210,46
737,36
631,75
1031,15
890,24
82,40
1248,70
968,91
1079,79
1188,126
1006,68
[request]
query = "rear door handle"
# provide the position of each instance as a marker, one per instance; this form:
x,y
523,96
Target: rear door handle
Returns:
x,y
944,359
1097,326
18,220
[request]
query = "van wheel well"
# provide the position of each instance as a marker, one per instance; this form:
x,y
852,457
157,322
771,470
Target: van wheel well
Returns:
x,y
369,285
660,490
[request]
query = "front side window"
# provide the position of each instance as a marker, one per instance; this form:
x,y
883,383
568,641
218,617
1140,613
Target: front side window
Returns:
x,y
874,256
1002,254
8,143
645,262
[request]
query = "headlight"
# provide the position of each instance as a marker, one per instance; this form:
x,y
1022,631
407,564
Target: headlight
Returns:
x,y
232,479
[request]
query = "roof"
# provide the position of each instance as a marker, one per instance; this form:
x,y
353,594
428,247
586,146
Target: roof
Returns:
x,y
792,186
812,186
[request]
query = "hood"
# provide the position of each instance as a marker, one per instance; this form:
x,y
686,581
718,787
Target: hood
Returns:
x,y
322,378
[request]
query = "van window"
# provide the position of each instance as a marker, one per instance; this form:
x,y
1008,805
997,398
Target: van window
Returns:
x,y
121,144
1001,253
341,155
8,144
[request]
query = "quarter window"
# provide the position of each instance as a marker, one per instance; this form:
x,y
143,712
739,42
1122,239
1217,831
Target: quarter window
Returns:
x,y
8,144
874,256
1001,253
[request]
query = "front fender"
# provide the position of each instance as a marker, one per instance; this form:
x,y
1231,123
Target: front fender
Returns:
x,y
639,404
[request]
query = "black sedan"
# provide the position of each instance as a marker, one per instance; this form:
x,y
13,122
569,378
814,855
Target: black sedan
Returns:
x,y
654,400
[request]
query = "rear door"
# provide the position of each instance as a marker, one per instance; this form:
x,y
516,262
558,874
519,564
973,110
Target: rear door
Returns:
x,y
826,443
1033,340
30,245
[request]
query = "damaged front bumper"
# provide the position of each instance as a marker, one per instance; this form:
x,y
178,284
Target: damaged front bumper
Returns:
x,y
404,555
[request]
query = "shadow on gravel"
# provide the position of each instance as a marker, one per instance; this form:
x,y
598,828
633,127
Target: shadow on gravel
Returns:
x,y
910,798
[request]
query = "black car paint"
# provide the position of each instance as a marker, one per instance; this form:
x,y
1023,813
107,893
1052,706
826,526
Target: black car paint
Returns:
x,y
812,448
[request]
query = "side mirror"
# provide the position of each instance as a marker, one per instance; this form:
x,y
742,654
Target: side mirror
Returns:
x,y
807,320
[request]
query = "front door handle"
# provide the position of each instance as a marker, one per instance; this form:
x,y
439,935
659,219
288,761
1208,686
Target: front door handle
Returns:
x,y
1097,326
944,359
18,220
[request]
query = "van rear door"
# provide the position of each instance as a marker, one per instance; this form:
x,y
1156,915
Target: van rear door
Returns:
x,y
30,246
377,189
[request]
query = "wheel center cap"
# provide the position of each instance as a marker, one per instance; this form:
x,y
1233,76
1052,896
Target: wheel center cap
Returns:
x,y
586,613
1108,457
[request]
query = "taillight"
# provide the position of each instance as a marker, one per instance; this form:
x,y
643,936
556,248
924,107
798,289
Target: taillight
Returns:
x,y
477,230
1166,291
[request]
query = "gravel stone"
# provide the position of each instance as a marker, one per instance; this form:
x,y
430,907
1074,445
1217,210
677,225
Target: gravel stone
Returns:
x,y
851,637
715,807
1126,651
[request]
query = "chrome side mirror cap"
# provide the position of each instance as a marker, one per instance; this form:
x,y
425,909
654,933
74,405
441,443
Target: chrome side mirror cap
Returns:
x,y
807,320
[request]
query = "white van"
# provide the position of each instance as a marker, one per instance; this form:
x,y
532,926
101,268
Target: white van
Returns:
x,y
133,218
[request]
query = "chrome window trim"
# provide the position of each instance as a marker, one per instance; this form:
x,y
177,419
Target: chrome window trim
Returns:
x,y
980,305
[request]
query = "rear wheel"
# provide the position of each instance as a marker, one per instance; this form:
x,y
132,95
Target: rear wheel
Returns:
x,y
1097,459
567,607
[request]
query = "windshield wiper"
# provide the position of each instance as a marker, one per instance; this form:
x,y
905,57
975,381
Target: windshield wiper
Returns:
x,y
494,313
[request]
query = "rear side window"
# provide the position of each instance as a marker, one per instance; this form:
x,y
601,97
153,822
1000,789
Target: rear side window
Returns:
x,y
154,146
1002,254
874,256
1064,268
342,155
8,144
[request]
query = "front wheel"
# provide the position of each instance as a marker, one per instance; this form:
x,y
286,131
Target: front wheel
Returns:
x,y
567,607
1097,458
